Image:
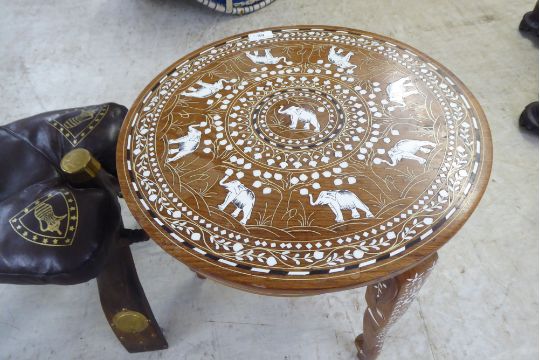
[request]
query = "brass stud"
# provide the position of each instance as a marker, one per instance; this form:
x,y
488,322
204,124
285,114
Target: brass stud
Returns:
x,y
130,321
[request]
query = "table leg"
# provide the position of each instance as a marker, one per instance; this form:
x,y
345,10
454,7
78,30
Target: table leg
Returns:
x,y
387,301
125,305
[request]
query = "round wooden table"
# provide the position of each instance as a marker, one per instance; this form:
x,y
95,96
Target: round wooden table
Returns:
x,y
303,160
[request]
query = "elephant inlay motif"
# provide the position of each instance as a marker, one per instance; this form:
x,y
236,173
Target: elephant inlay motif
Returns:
x,y
205,90
306,117
267,58
339,200
342,61
242,197
407,149
184,145
329,148
397,91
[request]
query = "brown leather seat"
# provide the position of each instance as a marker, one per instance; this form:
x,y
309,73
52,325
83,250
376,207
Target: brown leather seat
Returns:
x,y
53,232
56,234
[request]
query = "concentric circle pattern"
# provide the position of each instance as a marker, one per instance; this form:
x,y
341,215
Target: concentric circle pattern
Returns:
x,y
301,152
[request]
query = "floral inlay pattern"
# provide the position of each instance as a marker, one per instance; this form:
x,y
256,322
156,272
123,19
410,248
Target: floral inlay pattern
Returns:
x,y
304,151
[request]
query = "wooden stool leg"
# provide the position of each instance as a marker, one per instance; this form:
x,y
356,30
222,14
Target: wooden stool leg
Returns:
x,y
125,305
387,301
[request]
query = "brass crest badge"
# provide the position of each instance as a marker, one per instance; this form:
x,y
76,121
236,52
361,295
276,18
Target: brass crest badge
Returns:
x,y
50,220
76,128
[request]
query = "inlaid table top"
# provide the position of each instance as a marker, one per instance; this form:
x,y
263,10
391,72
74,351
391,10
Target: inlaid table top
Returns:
x,y
305,159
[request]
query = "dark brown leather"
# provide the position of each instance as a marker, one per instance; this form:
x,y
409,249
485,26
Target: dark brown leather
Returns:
x,y
95,129
52,232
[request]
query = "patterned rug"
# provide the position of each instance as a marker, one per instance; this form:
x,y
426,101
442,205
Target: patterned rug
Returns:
x,y
236,7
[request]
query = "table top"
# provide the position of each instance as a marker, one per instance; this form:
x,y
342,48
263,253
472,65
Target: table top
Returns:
x,y
303,160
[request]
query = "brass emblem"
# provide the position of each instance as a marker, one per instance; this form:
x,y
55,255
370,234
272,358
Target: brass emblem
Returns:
x,y
85,115
130,321
50,220
76,128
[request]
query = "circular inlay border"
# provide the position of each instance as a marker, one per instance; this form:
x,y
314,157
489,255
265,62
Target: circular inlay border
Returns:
x,y
427,73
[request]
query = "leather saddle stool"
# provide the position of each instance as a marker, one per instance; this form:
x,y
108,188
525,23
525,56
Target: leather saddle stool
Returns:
x,y
56,232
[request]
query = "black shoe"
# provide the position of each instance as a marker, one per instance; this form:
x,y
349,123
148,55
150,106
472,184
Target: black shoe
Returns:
x,y
529,117
529,23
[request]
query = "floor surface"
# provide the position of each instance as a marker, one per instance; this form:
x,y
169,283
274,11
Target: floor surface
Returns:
x,y
481,302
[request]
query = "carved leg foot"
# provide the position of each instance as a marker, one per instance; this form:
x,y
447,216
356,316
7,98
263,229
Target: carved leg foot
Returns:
x,y
387,301
359,342
125,305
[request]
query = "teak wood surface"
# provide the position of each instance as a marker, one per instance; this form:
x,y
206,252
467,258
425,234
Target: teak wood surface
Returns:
x,y
224,157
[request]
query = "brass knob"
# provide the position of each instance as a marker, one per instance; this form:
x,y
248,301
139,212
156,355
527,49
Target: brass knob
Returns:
x,y
79,165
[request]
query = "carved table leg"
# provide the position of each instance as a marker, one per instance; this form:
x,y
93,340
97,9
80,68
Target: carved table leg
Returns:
x,y
387,301
125,305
